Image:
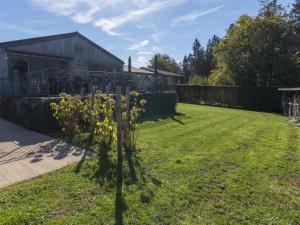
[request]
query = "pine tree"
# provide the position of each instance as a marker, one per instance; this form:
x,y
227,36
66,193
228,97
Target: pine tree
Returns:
x,y
270,8
186,68
209,54
198,58
295,14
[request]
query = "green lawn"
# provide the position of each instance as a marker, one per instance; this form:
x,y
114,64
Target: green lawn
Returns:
x,y
207,165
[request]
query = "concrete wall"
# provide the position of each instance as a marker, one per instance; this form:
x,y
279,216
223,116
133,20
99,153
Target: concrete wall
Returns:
x,y
3,64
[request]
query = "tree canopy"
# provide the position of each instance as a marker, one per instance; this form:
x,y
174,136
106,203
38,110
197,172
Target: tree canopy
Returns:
x,y
263,50
201,61
165,62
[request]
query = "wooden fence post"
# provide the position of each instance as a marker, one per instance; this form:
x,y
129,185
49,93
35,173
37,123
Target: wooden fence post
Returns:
x,y
82,93
119,185
127,100
119,123
92,127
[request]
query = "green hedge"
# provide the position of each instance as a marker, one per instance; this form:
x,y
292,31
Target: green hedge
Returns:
x,y
32,113
36,114
266,99
161,103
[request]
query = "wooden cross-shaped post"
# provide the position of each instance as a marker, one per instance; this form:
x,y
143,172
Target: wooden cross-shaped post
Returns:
x,y
119,185
92,127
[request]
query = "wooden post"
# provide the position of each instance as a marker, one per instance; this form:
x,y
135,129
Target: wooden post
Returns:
x,y
155,65
119,122
127,100
82,93
118,205
92,127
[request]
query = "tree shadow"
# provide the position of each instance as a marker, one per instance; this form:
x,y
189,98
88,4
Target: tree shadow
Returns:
x,y
105,173
80,163
119,193
177,120
112,174
131,166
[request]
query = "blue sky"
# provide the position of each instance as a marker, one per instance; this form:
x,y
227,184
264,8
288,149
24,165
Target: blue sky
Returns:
x,y
136,28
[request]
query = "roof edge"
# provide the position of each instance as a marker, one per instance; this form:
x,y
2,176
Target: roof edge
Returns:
x,y
54,37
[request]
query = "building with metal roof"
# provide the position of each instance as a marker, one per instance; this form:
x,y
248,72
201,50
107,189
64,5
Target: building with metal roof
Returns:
x,y
33,64
145,79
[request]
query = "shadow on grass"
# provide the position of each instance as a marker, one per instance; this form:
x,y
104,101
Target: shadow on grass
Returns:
x,y
111,174
131,166
155,118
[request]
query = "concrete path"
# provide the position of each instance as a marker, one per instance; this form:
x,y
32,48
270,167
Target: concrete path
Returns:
x,y
26,154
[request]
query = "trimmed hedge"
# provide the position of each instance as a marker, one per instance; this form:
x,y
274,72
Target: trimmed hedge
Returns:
x,y
36,114
32,113
266,99
161,103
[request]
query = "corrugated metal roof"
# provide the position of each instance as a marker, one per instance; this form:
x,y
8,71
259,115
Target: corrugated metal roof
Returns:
x,y
164,73
137,70
54,37
20,53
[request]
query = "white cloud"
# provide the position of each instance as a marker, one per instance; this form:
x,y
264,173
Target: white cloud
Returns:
x,y
144,55
143,58
158,36
139,46
111,23
8,26
59,7
96,12
191,17
156,49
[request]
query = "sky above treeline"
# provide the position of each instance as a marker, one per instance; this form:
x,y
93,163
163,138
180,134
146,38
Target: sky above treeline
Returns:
x,y
136,28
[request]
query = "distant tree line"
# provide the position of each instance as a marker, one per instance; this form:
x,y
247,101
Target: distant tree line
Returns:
x,y
165,62
197,66
256,51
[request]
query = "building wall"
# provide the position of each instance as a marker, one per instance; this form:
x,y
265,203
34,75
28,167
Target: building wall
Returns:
x,y
3,64
85,55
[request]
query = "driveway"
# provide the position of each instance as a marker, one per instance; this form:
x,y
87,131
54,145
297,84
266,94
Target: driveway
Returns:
x,y
26,154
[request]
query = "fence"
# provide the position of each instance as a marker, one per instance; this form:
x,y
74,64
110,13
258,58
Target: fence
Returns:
x,y
51,82
253,98
5,87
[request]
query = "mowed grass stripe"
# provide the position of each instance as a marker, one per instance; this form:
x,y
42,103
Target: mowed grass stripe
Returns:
x,y
208,165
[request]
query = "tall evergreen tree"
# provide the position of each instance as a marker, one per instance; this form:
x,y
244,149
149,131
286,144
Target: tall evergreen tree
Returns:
x,y
209,54
270,8
186,67
199,66
295,14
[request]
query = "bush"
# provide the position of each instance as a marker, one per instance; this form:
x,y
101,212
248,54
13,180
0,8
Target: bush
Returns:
x,y
102,121
160,103
68,112
200,80
130,118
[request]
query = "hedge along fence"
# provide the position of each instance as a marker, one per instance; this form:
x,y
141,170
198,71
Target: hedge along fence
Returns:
x,y
161,103
32,113
266,99
36,113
